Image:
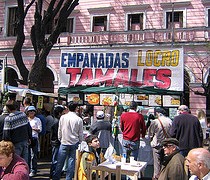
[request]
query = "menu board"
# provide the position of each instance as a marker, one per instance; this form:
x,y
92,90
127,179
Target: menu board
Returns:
x,y
125,99
155,100
143,98
92,99
75,98
107,99
171,100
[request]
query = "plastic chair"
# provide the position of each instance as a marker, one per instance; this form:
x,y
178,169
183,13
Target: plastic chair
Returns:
x,y
77,163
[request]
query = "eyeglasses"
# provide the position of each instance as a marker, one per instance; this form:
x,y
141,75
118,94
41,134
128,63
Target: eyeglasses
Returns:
x,y
167,146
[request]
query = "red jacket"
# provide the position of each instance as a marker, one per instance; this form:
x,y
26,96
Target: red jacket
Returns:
x,y
17,170
132,125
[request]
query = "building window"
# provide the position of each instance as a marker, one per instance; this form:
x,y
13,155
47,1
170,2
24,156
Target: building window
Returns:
x,y
208,17
135,21
69,26
99,23
177,21
12,18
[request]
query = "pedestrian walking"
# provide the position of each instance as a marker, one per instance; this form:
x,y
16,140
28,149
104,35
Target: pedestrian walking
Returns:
x,y
70,134
187,130
133,127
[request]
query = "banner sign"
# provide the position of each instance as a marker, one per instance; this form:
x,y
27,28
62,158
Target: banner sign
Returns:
x,y
162,68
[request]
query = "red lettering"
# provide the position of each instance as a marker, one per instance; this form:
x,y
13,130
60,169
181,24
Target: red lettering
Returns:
x,y
73,74
148,76
122,77
104,78
133,79
163,75
86,77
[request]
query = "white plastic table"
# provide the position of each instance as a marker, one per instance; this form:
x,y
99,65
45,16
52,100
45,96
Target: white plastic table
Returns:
x,y
133,171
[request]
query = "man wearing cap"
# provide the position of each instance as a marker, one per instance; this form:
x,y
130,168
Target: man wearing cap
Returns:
x,y
70,134
173,165
103,129
187,130
158,131
17,129
133,127
198,162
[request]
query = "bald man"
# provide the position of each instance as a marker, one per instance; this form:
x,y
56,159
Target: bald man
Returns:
x,y
198,162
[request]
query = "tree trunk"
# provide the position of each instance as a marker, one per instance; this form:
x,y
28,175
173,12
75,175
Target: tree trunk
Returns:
x,y
37,73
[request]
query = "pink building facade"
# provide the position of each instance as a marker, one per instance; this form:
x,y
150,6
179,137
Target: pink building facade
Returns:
x,y
125,25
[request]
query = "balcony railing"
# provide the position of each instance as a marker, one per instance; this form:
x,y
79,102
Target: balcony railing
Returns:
x,y
182,35
138,37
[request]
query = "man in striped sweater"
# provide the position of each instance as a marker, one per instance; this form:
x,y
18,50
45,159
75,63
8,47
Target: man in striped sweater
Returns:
x,y
17,129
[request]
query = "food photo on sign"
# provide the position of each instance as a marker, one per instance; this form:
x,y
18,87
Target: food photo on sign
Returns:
x,y
92,99
125,99
107,99
171,101
75,98
143,98
155,100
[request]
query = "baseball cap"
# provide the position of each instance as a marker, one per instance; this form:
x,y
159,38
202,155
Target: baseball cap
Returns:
x,y
100,114
31,108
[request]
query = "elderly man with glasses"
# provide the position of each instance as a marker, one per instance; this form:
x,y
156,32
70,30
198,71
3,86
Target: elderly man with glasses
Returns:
x,y
173,165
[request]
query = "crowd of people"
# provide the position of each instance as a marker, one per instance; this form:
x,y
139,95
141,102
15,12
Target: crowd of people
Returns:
x,y
177,145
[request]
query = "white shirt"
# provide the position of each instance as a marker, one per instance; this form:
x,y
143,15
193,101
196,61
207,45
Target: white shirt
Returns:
x,y
70,129
206,177
35,124
203,126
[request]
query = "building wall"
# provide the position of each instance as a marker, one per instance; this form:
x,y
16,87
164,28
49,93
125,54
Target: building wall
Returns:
x,y
154,11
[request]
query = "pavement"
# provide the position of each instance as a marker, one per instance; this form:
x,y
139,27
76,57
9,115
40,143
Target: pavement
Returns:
x,y
44,169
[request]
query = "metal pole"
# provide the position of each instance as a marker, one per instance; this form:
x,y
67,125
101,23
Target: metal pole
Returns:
x,y
172,42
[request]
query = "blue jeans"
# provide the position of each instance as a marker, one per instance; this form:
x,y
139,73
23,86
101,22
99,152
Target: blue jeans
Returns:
x,y
21,149
69,152
131,147
55,150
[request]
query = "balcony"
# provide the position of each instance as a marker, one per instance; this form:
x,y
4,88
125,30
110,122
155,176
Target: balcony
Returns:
x,y
182,35
147,36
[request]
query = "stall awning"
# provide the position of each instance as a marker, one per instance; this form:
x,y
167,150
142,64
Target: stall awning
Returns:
x,y
114,90
23,91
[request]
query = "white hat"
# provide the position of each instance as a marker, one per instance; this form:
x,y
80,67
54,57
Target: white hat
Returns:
x,y
100,114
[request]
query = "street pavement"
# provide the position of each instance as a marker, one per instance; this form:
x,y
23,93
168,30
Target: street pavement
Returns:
x,y
43,169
